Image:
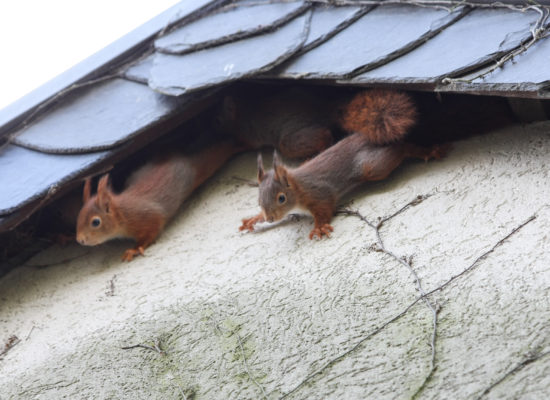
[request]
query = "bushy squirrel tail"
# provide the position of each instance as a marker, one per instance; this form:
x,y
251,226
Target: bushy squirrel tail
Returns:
x,y
381,116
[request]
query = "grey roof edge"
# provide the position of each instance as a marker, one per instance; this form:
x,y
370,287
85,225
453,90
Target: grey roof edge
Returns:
x,y
108,58
440,3
531,90
239,35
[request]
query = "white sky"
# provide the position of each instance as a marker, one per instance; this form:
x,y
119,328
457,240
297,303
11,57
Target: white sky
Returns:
x,y
39,39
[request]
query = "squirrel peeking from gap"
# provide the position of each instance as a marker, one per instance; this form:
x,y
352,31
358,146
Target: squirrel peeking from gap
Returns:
x,y
379,120
290,121
152,196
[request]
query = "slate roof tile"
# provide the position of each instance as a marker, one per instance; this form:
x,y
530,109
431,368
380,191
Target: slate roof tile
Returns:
x,y
101,61
379,36
458,48
229,24
175,75
27,174
98,118
329,21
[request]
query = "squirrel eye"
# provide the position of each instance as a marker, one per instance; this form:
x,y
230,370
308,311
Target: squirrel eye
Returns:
x,y
96,221
281,198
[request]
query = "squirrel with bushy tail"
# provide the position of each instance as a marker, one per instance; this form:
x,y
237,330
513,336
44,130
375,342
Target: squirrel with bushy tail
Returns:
x,y
379,120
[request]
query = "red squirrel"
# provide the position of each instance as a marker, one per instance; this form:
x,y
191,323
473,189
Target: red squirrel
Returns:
x,y
152,196
379,119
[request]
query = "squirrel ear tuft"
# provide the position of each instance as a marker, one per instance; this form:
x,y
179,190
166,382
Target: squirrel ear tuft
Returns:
x,y
279,169
104,193
261,173
87,190
276,159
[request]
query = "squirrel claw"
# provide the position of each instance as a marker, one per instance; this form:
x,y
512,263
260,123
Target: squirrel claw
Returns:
x,y
320,231
130,253
248,223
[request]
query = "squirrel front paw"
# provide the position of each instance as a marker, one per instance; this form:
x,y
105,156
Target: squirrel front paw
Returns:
x,y
248,223
130,253
319,231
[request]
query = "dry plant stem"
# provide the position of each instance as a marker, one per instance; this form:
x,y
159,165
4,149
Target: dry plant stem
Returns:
x,y
530,359
111,289
407,309
481,257
156,347
340,357
30,332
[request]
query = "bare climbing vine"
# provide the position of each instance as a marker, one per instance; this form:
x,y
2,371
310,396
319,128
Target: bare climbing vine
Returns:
x,y
156,347
423,297
407,263
530,358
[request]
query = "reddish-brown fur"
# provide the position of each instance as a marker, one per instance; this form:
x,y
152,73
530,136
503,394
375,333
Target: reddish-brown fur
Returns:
x,y
318,184
294,121
153,195
363,115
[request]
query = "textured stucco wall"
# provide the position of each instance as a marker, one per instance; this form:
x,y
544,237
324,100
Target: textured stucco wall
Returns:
x,y
273,314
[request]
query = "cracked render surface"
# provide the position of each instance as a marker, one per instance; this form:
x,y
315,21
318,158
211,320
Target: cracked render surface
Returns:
x,y
271,314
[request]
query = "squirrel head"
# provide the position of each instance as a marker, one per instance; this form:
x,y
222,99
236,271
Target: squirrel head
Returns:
x,y
277,196
97,220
